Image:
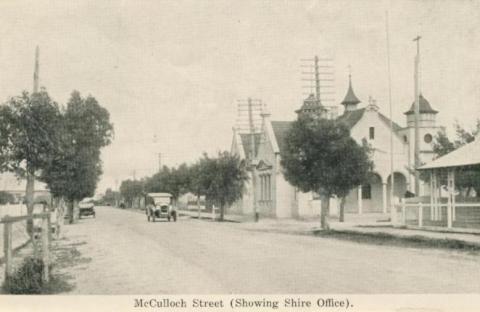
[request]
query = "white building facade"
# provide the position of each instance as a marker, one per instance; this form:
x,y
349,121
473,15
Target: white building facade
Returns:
x,y
275,197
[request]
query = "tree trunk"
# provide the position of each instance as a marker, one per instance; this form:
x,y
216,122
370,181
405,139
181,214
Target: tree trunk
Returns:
x,y
70,211
222,212
342,209
198,206
325,211
29,196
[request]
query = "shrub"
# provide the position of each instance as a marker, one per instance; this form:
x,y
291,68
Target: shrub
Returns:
x,y
27,279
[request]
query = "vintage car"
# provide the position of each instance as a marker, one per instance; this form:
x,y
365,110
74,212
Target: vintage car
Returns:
x,y
86,207
159,205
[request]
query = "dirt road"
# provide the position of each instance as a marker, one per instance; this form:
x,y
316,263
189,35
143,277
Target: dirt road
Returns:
x,y
119,252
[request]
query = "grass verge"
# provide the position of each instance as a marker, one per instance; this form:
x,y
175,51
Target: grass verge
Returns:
x,y
416,241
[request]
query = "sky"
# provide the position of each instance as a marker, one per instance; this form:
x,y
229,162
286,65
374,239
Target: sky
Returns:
x,y
174,70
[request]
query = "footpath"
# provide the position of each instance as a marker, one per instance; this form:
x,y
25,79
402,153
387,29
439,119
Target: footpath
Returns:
x,y
374,226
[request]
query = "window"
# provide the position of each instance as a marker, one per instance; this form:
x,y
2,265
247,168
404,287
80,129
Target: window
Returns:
x,y
265,187
366,191
372,133
427,138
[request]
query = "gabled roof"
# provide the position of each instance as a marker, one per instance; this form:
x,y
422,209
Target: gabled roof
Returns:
x,y
246,143
280,129
425,107
350,97
467,155
350,118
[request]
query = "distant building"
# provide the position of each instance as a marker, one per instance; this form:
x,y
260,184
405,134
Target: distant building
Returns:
x,y
15,186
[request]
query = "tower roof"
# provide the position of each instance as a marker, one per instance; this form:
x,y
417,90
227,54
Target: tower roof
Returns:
x,y
350,97
310,104
425,107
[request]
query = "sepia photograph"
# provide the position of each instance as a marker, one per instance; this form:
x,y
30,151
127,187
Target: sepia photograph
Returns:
x,y
239,155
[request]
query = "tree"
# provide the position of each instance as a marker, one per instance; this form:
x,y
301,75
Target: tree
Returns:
x,y
28,126
466,178
170,180
320,156
74,167
223,179
132,189
199,180
110,197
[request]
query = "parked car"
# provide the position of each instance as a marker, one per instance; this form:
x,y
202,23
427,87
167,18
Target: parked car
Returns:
x,y
159,205
86,207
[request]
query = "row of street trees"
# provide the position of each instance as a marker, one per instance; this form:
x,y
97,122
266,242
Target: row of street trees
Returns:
x,y
220,179
59,145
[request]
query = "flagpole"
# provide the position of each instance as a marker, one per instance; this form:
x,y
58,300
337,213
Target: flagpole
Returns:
x,y
393,215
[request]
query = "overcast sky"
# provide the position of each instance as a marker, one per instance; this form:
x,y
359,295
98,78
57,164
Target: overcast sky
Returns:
x,y
174,69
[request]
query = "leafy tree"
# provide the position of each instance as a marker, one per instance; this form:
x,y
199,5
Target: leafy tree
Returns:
x,y
170,180
320,156
199,180
28,127
110,197
223,179
466,178
74,167
132,189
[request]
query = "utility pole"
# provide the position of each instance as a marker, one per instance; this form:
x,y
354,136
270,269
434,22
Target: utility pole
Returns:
x,y
252,158
30,187
417,117
37,70
318,76
317,81
248,123
159,162
393,215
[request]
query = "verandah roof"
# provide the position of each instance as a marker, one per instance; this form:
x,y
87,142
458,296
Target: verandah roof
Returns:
x,y
466,155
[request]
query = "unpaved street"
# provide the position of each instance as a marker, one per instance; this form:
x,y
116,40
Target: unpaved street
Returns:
x,y
119,252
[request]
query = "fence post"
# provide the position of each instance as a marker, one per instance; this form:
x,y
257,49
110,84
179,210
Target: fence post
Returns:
x,y
46,248
420,215
7,248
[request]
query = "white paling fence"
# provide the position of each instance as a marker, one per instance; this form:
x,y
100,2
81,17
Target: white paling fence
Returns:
x,y
13,210
449,215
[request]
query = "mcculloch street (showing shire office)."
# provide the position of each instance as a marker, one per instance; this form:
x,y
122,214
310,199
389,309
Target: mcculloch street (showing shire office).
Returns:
x,y
239,303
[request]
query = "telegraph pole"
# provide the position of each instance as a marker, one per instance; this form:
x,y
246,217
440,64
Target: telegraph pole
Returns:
x,y
393,215
252,157
417,117
159,162
248,123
